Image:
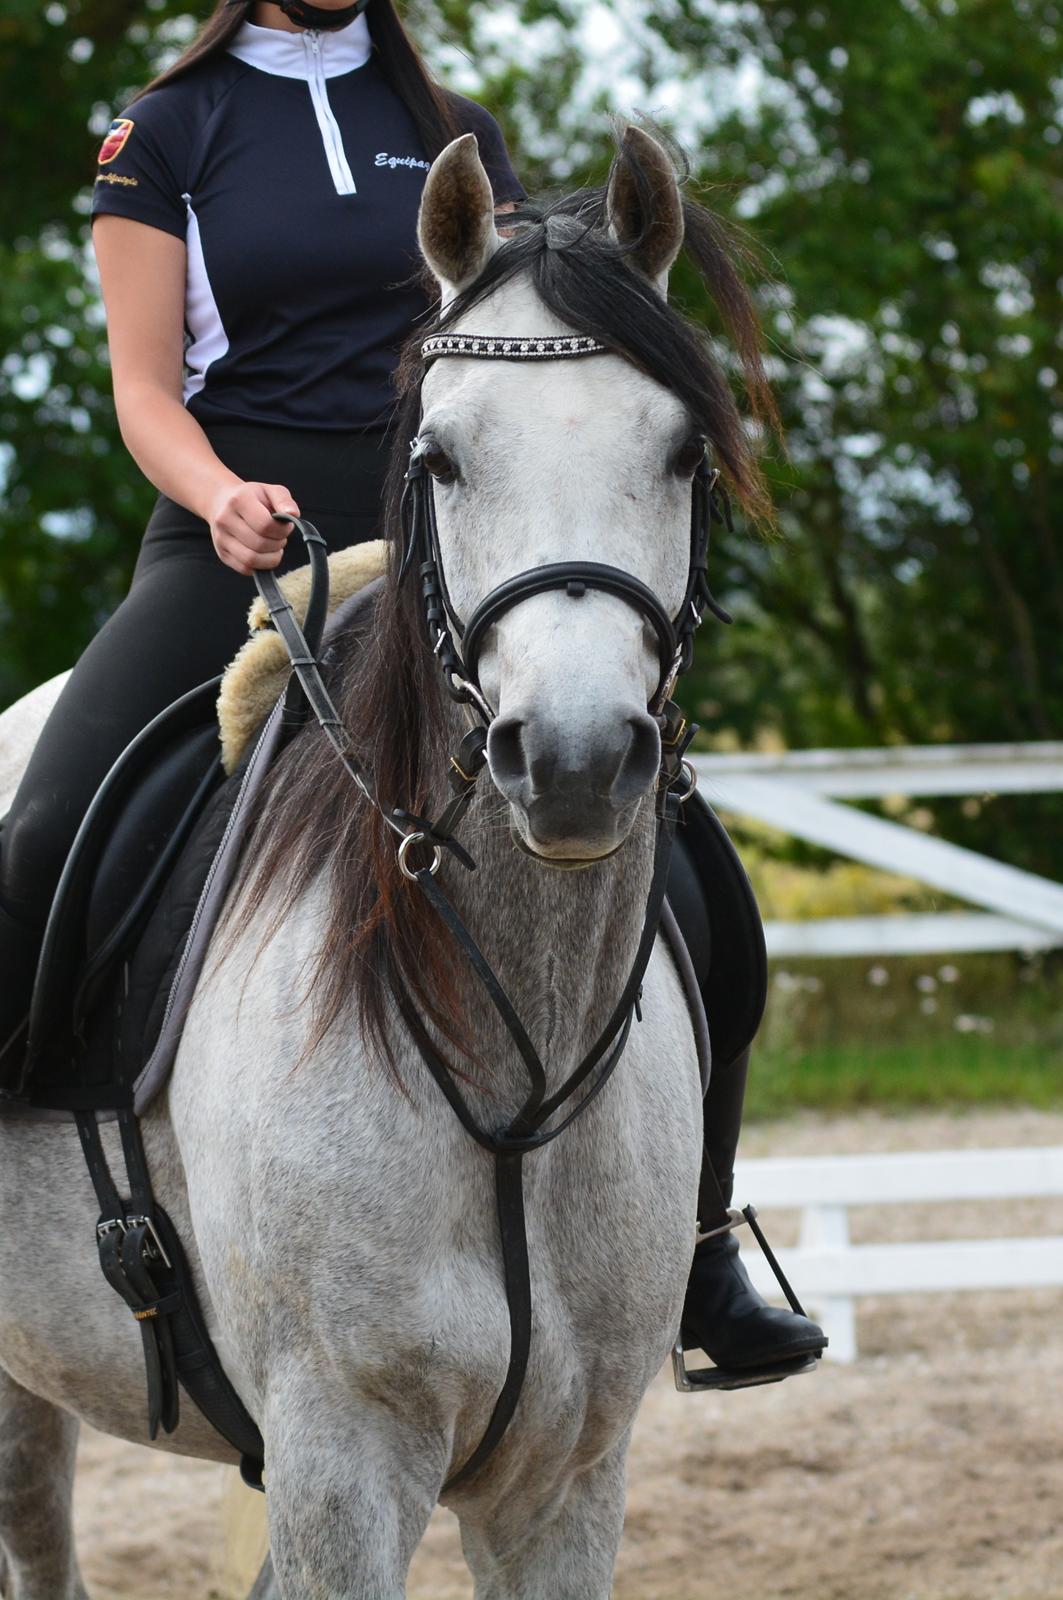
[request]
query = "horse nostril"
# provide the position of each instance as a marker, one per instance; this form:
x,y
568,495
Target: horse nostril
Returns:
x,y
505,749
641,759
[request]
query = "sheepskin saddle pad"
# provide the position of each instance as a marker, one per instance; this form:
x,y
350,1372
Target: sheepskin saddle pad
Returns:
x,y
258,674
164,828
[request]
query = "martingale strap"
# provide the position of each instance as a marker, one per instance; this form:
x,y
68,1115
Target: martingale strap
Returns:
x,y
526,1132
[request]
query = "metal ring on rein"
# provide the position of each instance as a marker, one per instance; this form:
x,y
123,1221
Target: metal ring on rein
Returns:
x,y
404,847
692,782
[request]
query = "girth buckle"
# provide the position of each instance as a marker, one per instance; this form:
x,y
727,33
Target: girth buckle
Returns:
x,y
156,1242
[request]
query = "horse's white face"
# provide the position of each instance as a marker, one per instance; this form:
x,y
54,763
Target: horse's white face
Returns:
x,y
553,461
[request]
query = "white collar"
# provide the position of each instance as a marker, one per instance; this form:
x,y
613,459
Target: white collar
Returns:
x,y
289,55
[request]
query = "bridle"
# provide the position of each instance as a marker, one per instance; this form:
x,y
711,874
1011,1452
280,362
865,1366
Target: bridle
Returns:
x,y
527,1131
675,635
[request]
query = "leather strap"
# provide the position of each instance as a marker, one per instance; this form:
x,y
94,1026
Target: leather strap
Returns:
x,y
526,1132
516,1269
142,1259
675,635
575,577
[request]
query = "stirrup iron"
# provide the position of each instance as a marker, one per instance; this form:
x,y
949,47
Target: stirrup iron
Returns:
x,y
688,1380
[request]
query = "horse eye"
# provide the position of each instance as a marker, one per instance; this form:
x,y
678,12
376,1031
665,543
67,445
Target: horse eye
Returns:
x,y
689,454
439,464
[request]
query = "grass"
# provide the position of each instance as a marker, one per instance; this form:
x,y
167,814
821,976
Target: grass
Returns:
x,y
909,1032
894,1033
940,1073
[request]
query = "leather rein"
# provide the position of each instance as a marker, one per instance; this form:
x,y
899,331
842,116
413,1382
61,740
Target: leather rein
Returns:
x,y
527,1131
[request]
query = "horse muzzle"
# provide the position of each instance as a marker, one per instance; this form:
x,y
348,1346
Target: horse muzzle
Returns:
x,y
574,793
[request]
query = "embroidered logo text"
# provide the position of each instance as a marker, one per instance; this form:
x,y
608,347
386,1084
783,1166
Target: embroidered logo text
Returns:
x,y
384,160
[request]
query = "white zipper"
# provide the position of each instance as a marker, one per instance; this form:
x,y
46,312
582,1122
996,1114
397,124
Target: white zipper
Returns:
x,y
342,176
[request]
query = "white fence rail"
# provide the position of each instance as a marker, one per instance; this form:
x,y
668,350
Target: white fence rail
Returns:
x,y
798,791
829,1273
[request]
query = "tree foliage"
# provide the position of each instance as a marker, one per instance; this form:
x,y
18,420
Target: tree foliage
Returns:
x,y
901,167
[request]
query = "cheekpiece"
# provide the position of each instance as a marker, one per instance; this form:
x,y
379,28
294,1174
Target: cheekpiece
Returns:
x,y
505,347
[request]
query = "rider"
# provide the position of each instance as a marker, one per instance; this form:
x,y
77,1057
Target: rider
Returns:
x,y
262,195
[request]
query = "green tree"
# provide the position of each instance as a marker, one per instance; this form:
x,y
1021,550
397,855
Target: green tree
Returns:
x,y
72,505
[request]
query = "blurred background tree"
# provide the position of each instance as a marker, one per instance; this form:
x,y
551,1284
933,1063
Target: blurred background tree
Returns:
x,y
900,165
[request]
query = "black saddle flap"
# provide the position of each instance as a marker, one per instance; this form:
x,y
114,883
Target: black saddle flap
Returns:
x,y
138,821
735,986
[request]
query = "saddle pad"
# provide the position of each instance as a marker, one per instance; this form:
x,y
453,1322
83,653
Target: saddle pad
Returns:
x,y
257,675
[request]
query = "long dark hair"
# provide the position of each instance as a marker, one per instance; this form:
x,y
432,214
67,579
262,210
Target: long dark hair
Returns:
x,y
428,102
379,935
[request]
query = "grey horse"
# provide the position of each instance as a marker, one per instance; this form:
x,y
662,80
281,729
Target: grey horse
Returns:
x,y
340,1223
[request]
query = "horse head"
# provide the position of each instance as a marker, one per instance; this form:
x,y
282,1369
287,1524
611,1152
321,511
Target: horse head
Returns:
x,y
536,462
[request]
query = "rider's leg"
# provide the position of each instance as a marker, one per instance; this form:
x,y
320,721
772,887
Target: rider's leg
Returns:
x,y
182,620
723,1312
179,623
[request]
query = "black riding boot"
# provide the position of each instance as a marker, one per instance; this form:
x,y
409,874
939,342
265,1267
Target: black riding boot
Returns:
x,y
714,904
19,948
723,1313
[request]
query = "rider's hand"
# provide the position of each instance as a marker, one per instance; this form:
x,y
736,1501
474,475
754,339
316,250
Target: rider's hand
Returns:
x,y
242,527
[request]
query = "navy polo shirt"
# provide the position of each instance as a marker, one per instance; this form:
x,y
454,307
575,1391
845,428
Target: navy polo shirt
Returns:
x,y
293,171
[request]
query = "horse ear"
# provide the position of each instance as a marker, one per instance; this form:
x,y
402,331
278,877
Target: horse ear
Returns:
x,y
643,196
456,222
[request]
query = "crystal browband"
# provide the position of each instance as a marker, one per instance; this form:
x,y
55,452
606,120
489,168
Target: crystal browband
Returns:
x,y
511,348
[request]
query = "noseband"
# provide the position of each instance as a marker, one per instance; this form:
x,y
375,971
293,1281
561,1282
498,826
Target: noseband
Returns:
x,y
675,635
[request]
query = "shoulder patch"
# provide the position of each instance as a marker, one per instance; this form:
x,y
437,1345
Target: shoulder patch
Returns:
x,y
117,134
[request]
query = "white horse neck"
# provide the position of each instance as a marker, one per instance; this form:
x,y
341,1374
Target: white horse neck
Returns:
x,y
562,940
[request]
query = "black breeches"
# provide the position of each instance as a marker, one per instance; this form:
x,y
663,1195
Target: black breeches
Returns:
x,y
183,620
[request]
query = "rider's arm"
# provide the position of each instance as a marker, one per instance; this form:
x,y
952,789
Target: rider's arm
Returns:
x,y
142,275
